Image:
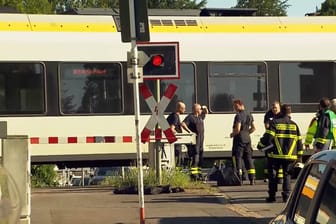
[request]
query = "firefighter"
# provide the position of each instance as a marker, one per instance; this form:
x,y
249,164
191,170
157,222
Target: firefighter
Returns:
x,y
243,126
194,122
271,114
322,127
285,148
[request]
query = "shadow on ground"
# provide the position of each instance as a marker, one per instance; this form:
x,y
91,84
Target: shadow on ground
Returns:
x,y
213,220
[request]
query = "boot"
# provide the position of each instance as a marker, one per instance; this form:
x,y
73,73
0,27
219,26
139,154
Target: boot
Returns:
x,y
270,199
284,197
252,182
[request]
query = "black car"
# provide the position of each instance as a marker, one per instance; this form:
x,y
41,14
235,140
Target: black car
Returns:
x,y
314,194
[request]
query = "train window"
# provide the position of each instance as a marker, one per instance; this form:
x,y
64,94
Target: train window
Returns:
x,y
21,88
229,81
90,88
306,82
185,88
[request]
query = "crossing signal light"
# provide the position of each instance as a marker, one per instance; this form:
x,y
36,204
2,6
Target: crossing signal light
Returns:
x,y
160,60
157,60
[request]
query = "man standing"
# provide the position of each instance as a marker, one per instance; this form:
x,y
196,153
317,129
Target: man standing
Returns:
x,y
271,114
243,126
194,122
175,124
285,147
324,132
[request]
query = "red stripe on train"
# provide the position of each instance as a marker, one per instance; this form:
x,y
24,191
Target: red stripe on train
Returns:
x,y
34,140
75,140
72,140
53,140
127,138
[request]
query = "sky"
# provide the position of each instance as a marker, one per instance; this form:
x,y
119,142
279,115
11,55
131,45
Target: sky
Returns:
x,y
296,8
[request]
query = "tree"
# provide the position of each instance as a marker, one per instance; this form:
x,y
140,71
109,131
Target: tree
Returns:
x,y
29,6
43,175
328,8
176,4
64,5
59,6
265,7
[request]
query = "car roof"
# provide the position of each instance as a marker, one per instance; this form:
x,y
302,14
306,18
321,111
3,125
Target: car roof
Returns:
x,y
323,156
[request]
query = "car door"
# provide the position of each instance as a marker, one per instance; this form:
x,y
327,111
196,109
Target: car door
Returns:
x,y
305,194
323,209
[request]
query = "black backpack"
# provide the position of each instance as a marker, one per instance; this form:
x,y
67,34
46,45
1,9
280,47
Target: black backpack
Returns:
x,y
227,177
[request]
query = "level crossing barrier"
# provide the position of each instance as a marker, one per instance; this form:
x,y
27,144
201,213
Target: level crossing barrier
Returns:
x,y
168,154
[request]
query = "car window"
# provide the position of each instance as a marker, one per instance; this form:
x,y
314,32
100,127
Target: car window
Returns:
x,y
308,192
327,208
108,171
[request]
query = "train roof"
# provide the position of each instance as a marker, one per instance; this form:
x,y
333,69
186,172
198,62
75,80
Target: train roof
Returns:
x,y
170,12
168,24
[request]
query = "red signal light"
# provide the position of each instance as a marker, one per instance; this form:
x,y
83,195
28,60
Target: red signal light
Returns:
x,y
157,60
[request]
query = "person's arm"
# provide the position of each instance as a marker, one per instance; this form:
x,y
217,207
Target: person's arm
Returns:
x,y
173,128
322,132
172,121
267,138
235,129
185,127
310,133
205,110
185,123
266,121
299,145
252,128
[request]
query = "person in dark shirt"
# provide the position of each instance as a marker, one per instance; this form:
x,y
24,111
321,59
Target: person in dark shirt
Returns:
x,y
270,115
243,126
194,122
175,124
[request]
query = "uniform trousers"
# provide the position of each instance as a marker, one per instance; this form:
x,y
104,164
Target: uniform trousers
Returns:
x,y
242,153
274,165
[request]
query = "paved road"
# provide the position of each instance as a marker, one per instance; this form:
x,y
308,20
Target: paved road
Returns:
x,y
243,204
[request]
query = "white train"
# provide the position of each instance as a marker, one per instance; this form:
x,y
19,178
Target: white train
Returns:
x,y
63,78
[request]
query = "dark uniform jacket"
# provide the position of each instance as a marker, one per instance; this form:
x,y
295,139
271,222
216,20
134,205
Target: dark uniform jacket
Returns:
x,y
284,135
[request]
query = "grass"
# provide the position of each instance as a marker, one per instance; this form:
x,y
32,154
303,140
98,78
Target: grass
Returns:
x,y
171,178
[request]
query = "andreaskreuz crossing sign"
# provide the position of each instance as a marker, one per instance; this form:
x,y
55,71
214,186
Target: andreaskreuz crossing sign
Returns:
x,y
157,110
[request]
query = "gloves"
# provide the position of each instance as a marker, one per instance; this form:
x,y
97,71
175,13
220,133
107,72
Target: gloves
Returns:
x,y
260,146
299,159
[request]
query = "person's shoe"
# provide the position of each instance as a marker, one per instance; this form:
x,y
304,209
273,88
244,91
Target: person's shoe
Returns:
x,y
266,180
270,199
284,199
252,182
280,181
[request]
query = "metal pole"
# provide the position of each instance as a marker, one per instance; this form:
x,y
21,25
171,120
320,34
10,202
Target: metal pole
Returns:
x,y
158,151
134,52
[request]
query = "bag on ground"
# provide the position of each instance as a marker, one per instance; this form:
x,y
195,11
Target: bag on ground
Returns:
x,y
227,177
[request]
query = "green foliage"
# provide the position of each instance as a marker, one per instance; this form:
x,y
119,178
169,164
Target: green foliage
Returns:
x,y
59,6
29,6
176,4
328,8
64,5
174,178
43,175
265,7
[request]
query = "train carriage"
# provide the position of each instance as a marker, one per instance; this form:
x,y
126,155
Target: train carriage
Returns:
x,y
63,78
